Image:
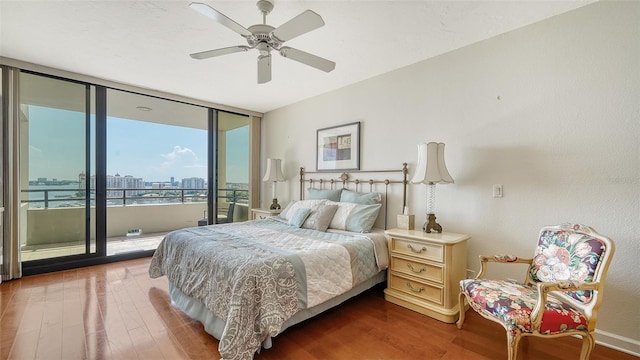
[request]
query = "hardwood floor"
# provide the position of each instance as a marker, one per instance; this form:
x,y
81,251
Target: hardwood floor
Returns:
x,y
116,311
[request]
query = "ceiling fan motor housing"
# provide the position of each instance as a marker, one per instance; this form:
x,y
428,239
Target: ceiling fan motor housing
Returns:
x,y
262,34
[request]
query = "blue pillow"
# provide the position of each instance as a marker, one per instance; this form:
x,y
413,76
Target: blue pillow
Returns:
x,y
318,194
299,216
360,198
285,211
362,218
354,217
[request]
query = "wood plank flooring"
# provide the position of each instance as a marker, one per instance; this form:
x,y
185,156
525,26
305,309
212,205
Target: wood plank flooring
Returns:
x,y
116,311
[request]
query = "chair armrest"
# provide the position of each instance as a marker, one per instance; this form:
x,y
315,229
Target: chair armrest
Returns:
x,y
505,259
545,287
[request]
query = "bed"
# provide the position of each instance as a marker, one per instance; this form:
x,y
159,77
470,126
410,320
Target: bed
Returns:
x,y
247,282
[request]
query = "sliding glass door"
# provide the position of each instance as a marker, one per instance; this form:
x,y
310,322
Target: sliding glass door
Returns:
x,y
55,146
233,167
156,169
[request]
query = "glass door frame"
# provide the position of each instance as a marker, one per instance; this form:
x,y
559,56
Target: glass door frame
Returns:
x,y
88,257
99,87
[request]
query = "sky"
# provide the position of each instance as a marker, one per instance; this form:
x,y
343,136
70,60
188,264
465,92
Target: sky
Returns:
x,y
154,152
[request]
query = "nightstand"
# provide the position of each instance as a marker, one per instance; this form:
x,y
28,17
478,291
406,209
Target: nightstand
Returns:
x,y
425,270
257,214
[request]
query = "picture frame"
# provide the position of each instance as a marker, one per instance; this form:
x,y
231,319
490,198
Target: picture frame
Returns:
x,y
338,148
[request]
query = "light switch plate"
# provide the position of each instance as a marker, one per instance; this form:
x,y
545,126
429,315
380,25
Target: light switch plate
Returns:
x,y
497,191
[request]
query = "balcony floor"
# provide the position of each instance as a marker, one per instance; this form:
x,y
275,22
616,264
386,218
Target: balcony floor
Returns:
x,y
115,245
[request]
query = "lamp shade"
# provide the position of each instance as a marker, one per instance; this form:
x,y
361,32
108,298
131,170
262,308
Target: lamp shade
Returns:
x,y
431,168
274,171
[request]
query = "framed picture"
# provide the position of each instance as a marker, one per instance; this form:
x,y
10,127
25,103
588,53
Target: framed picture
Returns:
x,y
338,148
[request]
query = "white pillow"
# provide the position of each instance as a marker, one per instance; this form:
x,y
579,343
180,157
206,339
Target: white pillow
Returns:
x,y
339,221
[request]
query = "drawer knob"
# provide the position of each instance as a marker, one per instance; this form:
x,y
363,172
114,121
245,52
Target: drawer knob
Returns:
x,y
417,271
421,289
417,251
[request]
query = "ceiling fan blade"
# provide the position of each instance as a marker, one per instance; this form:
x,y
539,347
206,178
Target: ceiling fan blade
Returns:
x,y
264,68
307,59
297,26
217,52
214,14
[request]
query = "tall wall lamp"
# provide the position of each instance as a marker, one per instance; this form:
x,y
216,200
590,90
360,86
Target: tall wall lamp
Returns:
x,y
431,170
274,174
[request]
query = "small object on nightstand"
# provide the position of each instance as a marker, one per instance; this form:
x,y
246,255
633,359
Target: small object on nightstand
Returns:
x,y
258,214
275,205
407,222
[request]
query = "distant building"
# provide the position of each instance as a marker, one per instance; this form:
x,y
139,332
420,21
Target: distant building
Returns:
x,y
82,180
193,183
162,185
115,182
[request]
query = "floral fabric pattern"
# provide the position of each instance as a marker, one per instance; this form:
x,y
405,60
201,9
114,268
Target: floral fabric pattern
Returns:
x,y
564,255
512,303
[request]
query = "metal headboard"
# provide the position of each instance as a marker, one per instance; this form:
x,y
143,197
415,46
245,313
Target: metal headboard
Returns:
x,y
347,178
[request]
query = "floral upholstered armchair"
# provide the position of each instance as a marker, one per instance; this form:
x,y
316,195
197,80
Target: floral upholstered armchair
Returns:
x,y
561,293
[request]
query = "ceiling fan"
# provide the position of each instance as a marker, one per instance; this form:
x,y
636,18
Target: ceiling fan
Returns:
x,y
265,38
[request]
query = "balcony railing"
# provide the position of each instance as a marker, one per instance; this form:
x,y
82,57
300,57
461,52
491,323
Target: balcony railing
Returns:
x,y
55,198
59,214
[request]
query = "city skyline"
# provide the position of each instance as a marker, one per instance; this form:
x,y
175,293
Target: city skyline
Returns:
x,y
155,152
44,180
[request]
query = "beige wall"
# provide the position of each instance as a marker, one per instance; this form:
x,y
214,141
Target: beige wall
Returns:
x,y
550,111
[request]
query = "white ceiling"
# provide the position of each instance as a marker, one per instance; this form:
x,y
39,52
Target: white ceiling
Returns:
x,y
147,43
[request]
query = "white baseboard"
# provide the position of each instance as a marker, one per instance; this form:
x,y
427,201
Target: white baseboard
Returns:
x,y
618,342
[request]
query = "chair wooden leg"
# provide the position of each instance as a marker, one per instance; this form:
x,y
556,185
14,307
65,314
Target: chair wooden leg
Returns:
x,y
588,342
461,299
512,345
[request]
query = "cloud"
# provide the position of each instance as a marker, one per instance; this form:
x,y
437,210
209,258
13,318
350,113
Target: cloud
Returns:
x,y
180,157
34,151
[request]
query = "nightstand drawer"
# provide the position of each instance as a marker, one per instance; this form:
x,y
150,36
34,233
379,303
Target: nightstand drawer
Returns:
x,y
422,250
417,269
417,289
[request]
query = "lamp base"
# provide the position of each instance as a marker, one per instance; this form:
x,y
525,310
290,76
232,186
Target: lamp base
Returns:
x,y
275,205
431,224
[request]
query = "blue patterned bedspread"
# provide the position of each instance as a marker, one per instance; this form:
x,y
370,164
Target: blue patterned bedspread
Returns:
x,y
257,274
